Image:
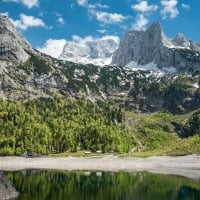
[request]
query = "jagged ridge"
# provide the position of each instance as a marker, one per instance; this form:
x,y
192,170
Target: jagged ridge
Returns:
x,y
12,44
96,51
153,46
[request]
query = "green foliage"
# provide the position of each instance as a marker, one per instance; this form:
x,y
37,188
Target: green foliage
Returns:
x,y
156,134
53,126
55,185
27,66
80,81
192,126
189,54
59,125
39,65
174,93
177,95
156,131
110,77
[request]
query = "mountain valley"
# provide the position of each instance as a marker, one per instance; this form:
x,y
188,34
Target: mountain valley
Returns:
x,y
146,98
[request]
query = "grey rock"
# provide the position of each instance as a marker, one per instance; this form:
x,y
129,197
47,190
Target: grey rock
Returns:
x,y
181,40
7,189
95,51
153,46
12,45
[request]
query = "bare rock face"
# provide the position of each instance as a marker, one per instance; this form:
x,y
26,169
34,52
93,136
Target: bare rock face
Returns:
x,y
25,72
7,190
12,44
136,44
153,46
96,51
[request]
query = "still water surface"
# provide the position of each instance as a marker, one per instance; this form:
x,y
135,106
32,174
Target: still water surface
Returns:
x,y
61,185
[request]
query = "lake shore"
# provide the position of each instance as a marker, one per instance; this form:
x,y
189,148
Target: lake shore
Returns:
x,y
187,166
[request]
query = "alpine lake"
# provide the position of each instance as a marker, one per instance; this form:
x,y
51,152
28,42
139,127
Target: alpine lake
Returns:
x,y
86,185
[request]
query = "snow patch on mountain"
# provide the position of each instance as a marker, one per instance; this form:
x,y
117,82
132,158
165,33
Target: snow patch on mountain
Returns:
x,y
97,51
134,66
196,85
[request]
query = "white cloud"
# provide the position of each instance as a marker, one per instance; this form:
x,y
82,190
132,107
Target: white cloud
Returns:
x,y
112,37
141,22
144,7
83,3
102,5
97,5
27,3
60,20
94,10
27,21
102,31
5,14
169,8
53,47
144,10
85,40
108,18
185,6
81,40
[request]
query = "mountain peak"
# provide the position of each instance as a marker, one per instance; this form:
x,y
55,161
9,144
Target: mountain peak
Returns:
x,y
152,47
5,24
155,27
180,38
96,51
136,45
12,44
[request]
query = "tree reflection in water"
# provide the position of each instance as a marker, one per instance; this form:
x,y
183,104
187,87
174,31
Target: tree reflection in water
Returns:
x,y
60,185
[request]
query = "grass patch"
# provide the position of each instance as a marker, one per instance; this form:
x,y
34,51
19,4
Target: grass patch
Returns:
x,y
79,154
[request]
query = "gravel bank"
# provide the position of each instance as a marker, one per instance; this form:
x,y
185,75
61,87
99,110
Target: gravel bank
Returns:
x,y
188,166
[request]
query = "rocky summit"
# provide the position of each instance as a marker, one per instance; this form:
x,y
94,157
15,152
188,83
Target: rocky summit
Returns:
x,y
12,45
93,51
144,49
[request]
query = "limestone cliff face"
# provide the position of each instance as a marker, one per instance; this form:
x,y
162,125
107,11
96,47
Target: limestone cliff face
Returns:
x,y
153,46
12,44
136,44
97,52
25,72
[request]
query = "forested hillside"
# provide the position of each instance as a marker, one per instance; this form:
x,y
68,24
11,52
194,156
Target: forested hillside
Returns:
x,y
48,126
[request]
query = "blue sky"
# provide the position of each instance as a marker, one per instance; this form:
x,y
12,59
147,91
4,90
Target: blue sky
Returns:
x,y
48,24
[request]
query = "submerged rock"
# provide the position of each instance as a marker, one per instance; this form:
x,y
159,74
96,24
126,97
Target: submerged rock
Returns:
x,y
7,189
